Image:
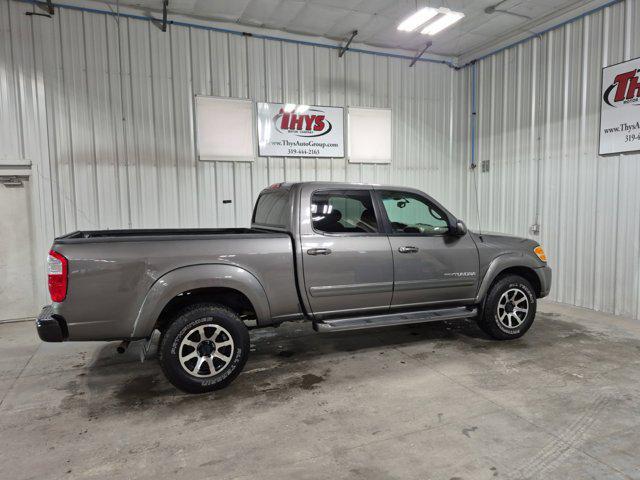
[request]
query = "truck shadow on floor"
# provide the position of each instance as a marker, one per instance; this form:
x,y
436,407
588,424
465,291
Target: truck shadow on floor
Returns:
x,y
292,360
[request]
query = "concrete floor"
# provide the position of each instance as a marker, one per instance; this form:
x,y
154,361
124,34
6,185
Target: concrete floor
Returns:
x,y
437,401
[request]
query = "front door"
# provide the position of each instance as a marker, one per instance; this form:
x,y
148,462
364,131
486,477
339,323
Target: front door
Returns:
x,y
431,266
348,265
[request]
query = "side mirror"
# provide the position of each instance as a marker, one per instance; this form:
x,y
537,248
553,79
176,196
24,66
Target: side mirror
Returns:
x,y
459,229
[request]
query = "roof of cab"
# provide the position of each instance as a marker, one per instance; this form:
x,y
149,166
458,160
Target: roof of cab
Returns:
x,y
325,184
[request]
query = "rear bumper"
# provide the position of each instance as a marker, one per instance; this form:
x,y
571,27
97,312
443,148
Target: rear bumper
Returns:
x,y
544,275
50,327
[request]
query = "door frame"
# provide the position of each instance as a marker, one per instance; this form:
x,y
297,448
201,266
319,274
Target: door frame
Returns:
x,y
451,221
305,229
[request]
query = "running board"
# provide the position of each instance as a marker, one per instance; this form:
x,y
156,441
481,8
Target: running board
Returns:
x,y
391,319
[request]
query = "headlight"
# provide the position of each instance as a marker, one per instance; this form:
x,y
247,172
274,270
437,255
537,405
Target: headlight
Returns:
x,y
540,253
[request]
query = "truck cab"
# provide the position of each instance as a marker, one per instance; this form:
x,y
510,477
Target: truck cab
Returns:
x,y
373,249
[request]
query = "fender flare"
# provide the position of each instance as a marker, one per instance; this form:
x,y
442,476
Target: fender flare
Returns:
x,y
191,277
499,265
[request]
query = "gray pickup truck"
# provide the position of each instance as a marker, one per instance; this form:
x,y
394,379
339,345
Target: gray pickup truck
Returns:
x,y
343,256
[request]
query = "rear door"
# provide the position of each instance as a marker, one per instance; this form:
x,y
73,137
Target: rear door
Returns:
x,y
347,260
431,265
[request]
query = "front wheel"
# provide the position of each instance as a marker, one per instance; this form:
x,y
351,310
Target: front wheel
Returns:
x,y
509,308
204,348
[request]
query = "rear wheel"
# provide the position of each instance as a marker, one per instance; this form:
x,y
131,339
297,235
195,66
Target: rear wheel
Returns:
x,y
204,348
509,309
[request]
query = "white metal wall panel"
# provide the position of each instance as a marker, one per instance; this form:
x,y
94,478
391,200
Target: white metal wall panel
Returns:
x,y
538,123
10,133
103,107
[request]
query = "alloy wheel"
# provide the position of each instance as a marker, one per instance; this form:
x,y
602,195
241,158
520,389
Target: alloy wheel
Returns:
x,y
513,308
206,350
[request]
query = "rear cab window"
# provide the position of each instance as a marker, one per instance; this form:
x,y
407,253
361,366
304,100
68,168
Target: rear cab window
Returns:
x,y
343,211
273,209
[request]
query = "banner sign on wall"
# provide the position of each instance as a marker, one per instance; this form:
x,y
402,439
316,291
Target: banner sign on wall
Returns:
x,y
620,108
290,130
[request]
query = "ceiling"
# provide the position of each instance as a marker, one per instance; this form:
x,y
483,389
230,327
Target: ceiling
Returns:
x,y
376,20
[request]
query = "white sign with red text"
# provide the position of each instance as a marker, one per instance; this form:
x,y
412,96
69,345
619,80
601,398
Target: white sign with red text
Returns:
x,y
295,130
620,108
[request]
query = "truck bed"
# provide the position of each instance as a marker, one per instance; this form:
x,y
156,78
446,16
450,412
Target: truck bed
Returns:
x,y
111,272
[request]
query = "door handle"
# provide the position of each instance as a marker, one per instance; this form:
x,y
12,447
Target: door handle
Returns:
x,y
408,249
319,251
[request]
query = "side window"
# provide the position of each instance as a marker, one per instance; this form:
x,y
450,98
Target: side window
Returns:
x,y
344,211
410,213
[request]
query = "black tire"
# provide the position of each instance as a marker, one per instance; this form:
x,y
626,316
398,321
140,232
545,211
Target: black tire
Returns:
x,y
184,328
495,319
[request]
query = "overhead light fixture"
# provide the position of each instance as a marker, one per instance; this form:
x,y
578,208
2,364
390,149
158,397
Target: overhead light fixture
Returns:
x,y
434,20
447,19
418,18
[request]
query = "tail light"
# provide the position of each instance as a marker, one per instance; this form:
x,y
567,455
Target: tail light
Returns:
x,y
57,272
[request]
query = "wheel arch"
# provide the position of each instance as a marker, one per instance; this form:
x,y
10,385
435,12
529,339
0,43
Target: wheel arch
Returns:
x,y
525,272
507,264
228,297
229,285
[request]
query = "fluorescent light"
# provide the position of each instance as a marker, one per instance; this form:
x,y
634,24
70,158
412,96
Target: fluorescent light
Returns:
x,y
302,108
289,107
448,19
418,18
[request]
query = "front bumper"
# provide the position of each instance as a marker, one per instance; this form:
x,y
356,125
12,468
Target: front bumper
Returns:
x,y
50,327
544,275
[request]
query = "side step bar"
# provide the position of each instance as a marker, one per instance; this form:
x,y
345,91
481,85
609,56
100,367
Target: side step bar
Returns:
x,y
391,319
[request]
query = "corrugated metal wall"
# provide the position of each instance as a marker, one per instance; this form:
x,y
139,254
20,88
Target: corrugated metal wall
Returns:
x,y
120,149
117,151
114,150
538,123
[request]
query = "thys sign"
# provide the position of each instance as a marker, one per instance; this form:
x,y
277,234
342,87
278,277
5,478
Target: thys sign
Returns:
x,y
620,108
293,130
